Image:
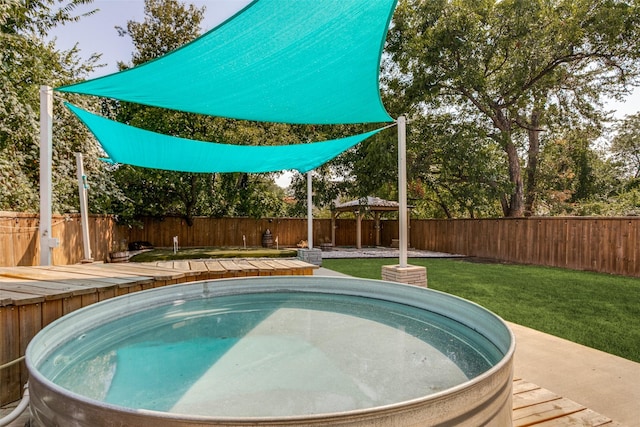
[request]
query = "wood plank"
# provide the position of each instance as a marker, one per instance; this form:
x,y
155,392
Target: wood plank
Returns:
x,y
302,267
93,271
521,386
213,265
46,273
198,265
19,298
4,298
302,264
51,310
533,397
536,414
232,267
165,264
35,287
264,269
182,265
49,289
248,268
584,418
556,241
71,304
158,273
10,387
30,323
89,299
278,266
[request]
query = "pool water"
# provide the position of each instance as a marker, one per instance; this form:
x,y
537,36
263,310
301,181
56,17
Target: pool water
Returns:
x,y
270,354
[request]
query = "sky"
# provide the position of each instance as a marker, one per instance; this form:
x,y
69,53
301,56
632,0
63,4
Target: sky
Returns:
x,y
97,33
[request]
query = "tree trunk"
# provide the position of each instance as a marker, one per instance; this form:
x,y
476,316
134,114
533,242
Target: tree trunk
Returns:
x,y
532,163
516,198
190,202
442,204
512,206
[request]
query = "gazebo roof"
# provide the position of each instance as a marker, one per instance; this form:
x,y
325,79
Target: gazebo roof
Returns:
x,y
370,203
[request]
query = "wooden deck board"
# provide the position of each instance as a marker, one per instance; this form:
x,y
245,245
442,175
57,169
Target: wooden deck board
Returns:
x,y
231,266
53,274
584,418
198,266
48,288
533,397
9,297
264,269
95,271
538,407
214,266
521,386
159,273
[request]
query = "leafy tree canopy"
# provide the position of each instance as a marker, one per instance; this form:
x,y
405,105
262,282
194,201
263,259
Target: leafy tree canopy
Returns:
x,y
28,61
517,68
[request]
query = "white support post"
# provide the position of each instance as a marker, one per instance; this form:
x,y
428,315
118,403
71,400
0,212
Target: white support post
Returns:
x,y
403,272
358,229
309,212
47,242
402,189
84,211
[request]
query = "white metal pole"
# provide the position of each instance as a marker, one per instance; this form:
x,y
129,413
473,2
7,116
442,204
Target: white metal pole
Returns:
x,y
402,189
309,212
84,212
46,147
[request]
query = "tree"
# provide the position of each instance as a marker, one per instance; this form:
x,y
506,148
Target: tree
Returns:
x,y
169,24
26,62
454,166
625,147
517,67
575,177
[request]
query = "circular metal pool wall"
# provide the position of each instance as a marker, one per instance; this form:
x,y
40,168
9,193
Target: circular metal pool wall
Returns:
x,y
286,351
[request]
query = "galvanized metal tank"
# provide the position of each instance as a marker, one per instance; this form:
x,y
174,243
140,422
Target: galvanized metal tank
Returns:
x,y
484,399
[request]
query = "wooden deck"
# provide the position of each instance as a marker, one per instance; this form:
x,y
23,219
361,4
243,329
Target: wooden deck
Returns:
x,y
535,406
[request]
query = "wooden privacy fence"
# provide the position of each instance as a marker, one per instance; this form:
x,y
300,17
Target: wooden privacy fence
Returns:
x,y
224,231
231,231
609,245
20,242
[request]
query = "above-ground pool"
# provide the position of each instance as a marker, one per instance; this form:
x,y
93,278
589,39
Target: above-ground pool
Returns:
x,y
274,351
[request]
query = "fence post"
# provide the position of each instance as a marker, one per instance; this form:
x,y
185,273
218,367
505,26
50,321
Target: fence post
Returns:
x,y
47,242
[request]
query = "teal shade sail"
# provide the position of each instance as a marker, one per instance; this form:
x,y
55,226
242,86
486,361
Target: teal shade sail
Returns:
x,y
289,61
134,146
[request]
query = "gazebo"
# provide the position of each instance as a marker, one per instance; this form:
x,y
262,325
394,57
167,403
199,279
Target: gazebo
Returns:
x,y
359,208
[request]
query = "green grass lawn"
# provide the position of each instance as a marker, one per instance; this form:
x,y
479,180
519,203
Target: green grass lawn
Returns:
x,y
201,253
598,310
